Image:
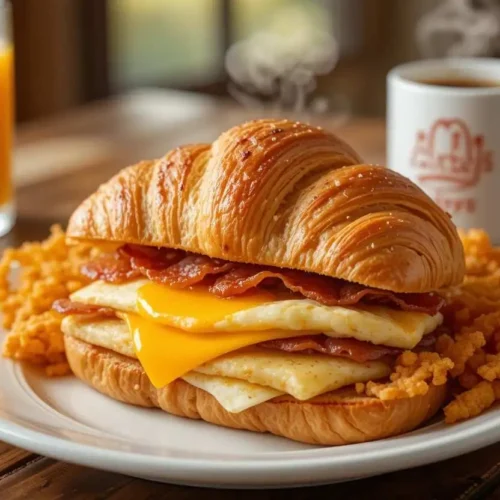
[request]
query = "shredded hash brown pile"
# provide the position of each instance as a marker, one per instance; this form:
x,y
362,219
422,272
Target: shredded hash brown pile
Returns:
x,y
48,271
468,350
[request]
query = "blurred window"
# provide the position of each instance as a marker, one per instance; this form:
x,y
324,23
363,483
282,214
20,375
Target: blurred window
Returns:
x,y
284,16
182,43
174,42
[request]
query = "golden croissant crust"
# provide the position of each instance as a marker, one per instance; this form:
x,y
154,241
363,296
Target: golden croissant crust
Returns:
x,y
286,194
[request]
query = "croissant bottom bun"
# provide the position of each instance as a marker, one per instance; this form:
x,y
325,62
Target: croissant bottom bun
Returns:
x,y
336,418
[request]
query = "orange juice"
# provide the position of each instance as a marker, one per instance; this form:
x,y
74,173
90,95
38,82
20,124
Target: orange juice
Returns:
x,y
6,120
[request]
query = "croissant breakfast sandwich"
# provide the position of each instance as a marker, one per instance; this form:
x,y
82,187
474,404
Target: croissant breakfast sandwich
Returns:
x,y
254,281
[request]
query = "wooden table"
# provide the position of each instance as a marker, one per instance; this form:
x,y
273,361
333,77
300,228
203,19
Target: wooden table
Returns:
x,y
62,160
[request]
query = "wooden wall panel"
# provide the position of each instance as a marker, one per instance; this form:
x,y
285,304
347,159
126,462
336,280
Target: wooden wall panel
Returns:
x,y
47,41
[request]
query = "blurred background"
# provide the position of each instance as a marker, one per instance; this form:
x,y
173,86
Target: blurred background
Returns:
x,y
69,52
100,84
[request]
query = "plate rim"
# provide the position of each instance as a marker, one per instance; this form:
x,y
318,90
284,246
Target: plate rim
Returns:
x,y
315,465
479,435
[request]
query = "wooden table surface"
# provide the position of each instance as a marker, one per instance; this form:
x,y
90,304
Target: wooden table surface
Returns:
x,y
62,160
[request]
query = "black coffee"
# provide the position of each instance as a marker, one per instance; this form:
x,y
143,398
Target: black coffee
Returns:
x,y
461,82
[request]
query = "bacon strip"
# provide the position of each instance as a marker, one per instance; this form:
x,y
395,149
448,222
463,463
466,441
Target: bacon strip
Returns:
x,y
322,289
350,348
67,306
113,268
354,349
226,279
150,258
189,271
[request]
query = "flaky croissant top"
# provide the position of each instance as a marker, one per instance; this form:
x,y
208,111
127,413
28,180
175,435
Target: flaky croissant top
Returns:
x,y
286,194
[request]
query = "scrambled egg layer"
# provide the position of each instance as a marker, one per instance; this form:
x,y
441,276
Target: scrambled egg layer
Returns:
x,y
197,310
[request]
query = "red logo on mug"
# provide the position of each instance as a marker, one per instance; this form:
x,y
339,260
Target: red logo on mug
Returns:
x,y
449,159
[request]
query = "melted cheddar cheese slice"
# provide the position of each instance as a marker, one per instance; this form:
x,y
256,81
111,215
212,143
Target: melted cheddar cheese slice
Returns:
x,y
194,309
167,353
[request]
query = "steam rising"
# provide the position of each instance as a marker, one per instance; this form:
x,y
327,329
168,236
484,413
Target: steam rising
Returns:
x,y
278,71
461,28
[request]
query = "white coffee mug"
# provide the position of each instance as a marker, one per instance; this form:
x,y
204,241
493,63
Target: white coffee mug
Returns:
x,y
447,138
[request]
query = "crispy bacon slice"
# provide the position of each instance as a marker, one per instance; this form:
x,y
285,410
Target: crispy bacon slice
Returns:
x,y
429,303
113,268
130,262
325,290
226,279
67,306
149,258
354,349
189,271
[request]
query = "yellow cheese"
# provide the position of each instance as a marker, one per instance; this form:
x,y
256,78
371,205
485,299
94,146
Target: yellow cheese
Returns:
x,y
168,353
200,311
194,309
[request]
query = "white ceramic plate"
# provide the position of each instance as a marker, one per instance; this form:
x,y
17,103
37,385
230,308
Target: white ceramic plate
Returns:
x,y
64,419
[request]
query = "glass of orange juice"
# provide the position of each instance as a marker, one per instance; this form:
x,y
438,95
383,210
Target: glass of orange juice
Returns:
x,y
7,211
